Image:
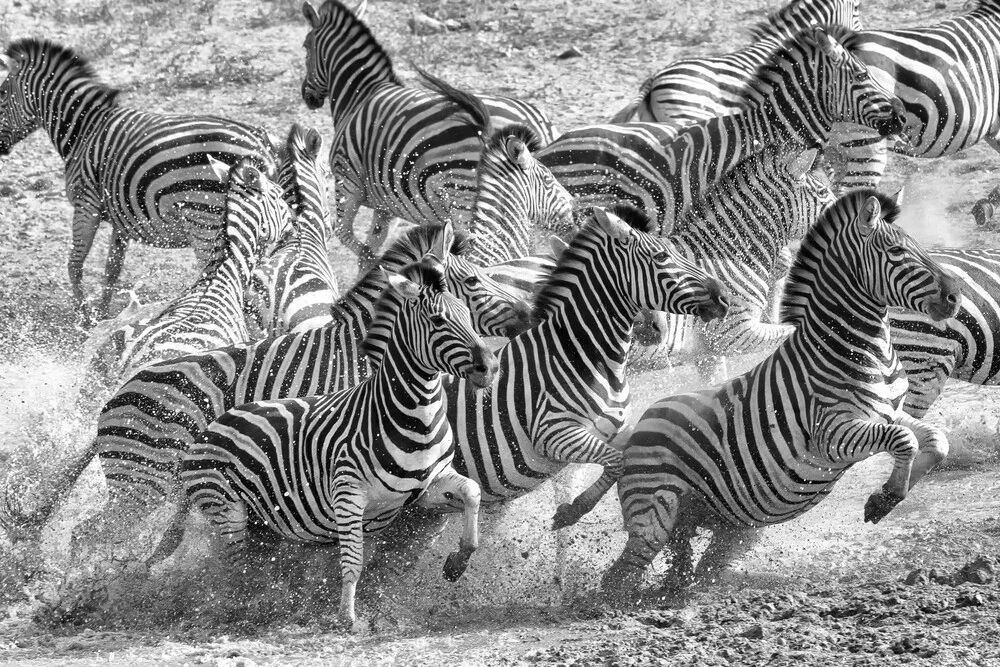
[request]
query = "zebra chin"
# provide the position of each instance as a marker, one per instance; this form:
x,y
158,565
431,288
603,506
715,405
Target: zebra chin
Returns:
x,y
715,305
897,123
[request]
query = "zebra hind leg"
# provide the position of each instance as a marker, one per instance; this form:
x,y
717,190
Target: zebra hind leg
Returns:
x,y
728,544
112,272
573,444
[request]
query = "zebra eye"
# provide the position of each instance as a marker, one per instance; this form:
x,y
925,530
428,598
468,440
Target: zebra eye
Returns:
x,y
661,257
897,250
472,281
437,318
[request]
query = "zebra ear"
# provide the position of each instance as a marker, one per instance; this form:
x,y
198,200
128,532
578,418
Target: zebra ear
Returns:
x,y
7,63
558,245
518,153
897,198
798,165
314,142
247,175
830,46
361,9
614,227
869,216
310,13
219,168
403,287
444,242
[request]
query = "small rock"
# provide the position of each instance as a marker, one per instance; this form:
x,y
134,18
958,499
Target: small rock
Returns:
x,y
755,631
7,190
980,571
571,52
421,24
970,599
40,184
940,5
452,24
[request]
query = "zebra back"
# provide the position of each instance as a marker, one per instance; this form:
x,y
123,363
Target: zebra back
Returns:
x,y
295,287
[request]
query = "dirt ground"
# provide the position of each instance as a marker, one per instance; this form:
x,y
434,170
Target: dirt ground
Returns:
x,y
920,587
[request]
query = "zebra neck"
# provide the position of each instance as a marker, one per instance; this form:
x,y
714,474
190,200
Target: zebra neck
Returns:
x,y
774,116
707,246
236,253
357,307
498,230
866,334
412,392
352,84
69,114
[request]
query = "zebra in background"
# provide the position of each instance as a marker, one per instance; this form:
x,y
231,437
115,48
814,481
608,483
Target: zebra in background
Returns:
x,y
739,232
210,314
295,288
695,89
949,81
809,82
399,151
514,193
147,174
768,445
332,468
961,348
155,416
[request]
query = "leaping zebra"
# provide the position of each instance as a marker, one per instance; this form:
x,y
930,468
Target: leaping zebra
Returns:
x,y
770,444
295,288
809,82
333,468
695,89
147,174
399,151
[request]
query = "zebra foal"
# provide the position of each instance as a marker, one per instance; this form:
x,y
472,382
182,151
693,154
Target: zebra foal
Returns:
x,y
147,174
768,445
332,468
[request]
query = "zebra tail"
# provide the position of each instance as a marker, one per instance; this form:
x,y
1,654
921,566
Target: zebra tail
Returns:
x,y
641,99
465,101
20,524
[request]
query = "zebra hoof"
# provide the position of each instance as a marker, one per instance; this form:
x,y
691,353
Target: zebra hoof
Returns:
x,y
566,515
983,212
455,565
620,584
879,504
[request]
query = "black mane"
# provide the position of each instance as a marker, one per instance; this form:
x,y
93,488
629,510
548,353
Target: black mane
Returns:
x,y
76,65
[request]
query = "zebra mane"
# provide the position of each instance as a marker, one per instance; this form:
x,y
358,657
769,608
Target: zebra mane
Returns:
x,y
427,273
985,4
548,293
801,275
765,74
465,101
498,137
366,34
76,65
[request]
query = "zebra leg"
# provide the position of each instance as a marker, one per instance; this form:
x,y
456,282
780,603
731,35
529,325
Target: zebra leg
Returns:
x,y
728,544
172,536
571,443
85,222
376,237
447,488
343,226
349,502
933,447
927,377
112,271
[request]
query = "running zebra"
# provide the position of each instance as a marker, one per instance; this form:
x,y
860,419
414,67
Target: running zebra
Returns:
x,y
156,415
147,174
332,468
210,314
767,446
295,288
948,78
739,232
696,89
514,193
962,348
399,151
809,82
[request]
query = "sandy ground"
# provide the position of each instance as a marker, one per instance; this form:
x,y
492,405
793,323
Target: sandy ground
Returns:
x,y
826,589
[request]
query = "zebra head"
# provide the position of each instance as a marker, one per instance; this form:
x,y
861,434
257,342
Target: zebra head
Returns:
x,y
341,54
255,201
650,272
417,313
300,172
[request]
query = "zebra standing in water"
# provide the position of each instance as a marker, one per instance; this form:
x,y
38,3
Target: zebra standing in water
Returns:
x,y
809,82
769,445
332,468
399,151
964,347
739,232
155,415
295,288
147,174
695,89
210,314
949,80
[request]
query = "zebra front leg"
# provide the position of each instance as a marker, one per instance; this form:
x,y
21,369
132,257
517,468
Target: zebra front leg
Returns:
x,y
571,443
85,222
172,536
448,490
728,544
933,447
112,271
343,226
349,502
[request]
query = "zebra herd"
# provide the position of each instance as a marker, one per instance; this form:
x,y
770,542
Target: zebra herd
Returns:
x,y
275,404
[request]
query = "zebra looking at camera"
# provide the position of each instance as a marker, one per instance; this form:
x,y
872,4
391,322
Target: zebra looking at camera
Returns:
x,y
399,151
333,468
295,288
695,89
768,445
147,174
155,415
810,82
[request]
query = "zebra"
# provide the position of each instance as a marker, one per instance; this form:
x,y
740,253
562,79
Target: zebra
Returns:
x,y
768,445
332,468
210,314
696,89
147,174
961,348
809,82
399,151
295,288
514,193
948,79
739,232
156,414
